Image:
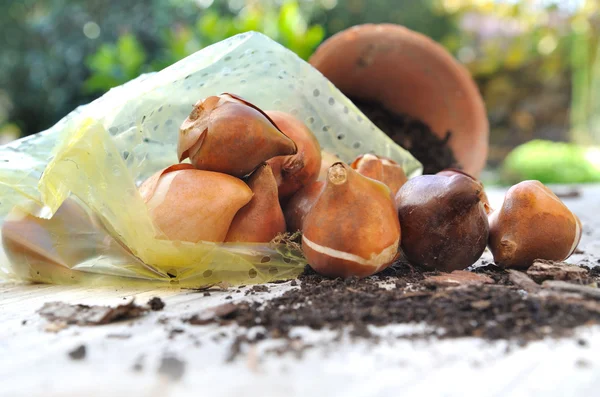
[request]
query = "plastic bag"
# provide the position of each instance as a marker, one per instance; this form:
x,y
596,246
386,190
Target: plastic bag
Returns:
x,y
70,208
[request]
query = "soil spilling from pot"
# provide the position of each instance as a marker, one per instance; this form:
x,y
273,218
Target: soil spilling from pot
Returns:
x,y
413,135
489,303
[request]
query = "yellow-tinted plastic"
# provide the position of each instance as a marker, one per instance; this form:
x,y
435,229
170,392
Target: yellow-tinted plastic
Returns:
x,y
70,208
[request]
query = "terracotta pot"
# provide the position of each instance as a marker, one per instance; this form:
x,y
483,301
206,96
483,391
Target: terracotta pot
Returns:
x,y
409,73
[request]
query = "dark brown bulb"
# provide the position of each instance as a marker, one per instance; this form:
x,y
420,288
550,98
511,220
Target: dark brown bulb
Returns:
x,y
455,171
443,220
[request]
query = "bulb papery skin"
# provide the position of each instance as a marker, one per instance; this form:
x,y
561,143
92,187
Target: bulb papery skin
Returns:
x,y
297,170
443,220
352,228
230,135
381,169
261,220
192,205
532,224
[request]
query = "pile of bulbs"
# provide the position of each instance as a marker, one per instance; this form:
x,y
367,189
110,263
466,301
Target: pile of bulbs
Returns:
x,y
255,174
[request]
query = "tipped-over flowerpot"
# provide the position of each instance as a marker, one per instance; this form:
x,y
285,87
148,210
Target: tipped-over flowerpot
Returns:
x,y
390,70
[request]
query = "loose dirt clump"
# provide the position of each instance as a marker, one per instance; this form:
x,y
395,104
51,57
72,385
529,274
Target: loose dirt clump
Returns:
x,y
156,304
60,312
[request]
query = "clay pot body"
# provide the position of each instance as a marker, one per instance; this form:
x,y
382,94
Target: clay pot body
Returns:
x,y
408,73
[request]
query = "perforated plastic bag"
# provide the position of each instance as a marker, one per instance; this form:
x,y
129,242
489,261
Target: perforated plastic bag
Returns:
x,y
70,209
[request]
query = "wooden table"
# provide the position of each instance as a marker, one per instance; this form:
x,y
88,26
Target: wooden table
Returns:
x,y
160,355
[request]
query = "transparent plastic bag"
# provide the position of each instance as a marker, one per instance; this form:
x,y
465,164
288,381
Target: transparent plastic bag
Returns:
x,y
70,208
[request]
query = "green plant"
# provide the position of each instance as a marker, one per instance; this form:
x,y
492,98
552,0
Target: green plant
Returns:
x,y
552,162
44,45
117,63
114,64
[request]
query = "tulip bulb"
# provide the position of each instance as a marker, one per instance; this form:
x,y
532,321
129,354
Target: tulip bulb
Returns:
x,y
300,204
381,169
192,205
532,224
297,170
484,197
227,134
352,229
443,220
261,219
25,235
48,249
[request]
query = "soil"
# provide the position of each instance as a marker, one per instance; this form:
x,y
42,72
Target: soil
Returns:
x,y
138,366
543,270
413,135
156,304
567,194
257,289
171,367
503,304
221,312
64,313
78,353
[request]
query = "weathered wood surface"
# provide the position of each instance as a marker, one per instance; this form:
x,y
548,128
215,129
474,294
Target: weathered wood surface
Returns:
x,y
35,362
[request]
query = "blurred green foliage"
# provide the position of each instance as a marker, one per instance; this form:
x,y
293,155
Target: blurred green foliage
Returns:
x,y
535,64
42,68
551,162
425,16
117,63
